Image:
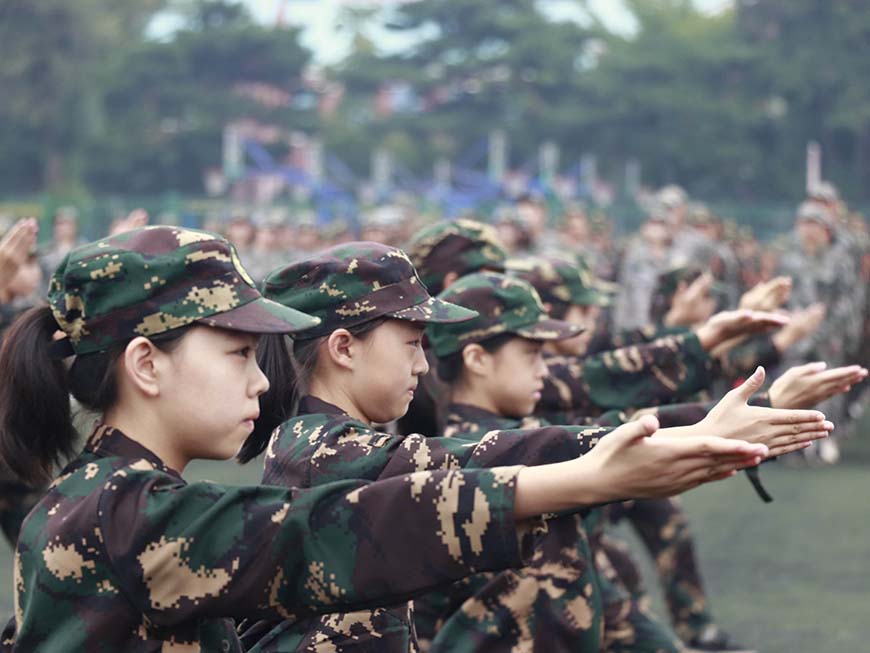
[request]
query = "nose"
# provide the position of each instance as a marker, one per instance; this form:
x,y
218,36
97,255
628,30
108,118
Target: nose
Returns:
x,y
541,369
259,382
421,365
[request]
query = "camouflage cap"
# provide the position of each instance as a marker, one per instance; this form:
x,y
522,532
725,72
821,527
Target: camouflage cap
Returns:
x,y
462,246
559,280
353,283
150,280
504,305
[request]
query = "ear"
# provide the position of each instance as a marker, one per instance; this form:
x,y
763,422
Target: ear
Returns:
x,y
142,369
476,360
339,348
449,279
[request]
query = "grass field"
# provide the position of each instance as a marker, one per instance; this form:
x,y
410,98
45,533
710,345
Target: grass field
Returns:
x,y
789,577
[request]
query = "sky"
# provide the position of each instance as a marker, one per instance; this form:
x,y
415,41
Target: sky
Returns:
x,y
318,18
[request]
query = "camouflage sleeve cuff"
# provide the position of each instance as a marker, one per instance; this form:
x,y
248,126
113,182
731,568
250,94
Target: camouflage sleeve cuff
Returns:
x,y
510,544
694,351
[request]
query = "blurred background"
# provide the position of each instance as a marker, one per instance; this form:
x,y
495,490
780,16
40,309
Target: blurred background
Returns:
x,y
293,124
184,106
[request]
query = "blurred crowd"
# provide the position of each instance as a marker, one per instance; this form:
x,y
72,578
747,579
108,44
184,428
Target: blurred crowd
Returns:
x,y
683,264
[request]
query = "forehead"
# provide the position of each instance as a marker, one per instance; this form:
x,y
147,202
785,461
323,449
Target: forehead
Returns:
x,y
405,327
219,335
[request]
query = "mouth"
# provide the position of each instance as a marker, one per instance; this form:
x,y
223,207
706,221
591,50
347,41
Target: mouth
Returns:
x,y
248,422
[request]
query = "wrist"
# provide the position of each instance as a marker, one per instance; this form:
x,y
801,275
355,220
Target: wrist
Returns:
x,y
783,339
683,431
707,336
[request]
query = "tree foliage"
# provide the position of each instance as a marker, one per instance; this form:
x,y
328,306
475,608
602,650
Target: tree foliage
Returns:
x,y
723,103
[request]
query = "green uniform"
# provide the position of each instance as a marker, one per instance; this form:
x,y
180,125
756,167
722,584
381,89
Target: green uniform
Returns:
x,y
123,556
628,626
322,444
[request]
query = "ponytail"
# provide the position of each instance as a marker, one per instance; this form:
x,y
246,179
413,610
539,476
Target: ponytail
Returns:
x,y
36,429
278,403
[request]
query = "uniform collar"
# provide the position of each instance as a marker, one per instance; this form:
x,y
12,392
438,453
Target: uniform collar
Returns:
x,y
310,405
108,442
458,412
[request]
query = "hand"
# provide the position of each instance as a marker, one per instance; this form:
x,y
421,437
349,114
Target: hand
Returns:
x,y
16,246
805,386
781,430
803,324
767,295
692,303
727,325
628,463
135,219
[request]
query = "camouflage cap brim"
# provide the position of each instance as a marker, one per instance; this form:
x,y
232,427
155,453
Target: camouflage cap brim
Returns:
x,y
263,316
549,329
435,311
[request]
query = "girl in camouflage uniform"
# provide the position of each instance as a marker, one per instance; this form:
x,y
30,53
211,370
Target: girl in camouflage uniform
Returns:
x,y
156,330
359,368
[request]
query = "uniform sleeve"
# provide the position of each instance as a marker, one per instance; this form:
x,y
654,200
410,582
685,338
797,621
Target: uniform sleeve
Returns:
x,y
661,371
354,451
743,359
205,550
607,340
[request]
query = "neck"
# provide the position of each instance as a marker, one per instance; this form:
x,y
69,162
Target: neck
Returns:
x,y
472,394
141,427
335,394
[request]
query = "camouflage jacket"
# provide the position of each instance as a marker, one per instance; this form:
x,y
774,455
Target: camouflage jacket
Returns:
x,y
660,372
122,555
606,339
552,604
323,444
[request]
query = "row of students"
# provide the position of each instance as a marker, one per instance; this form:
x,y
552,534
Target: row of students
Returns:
x,y
359,368
586,375
156,330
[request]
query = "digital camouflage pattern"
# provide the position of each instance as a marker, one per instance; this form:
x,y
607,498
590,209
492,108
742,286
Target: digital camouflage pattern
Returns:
x,y
460,246
323,444
742,360
627,624
663,528
147,281
123,556
560,280
666,370
354,283
503,305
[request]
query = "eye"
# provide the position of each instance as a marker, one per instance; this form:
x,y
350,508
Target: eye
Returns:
x,y
244,352
415,343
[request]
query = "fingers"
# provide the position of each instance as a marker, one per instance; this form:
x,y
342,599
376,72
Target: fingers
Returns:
x,y
808,368
789,448
711,446
842,375
780,416
629,433
794,438
22,236
751,385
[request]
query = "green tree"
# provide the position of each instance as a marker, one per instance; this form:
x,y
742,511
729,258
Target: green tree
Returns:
x,y
53,67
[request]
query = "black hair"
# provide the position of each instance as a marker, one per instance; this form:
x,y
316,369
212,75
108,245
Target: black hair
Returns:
x,y
36,421
558,310
451,366
288,364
